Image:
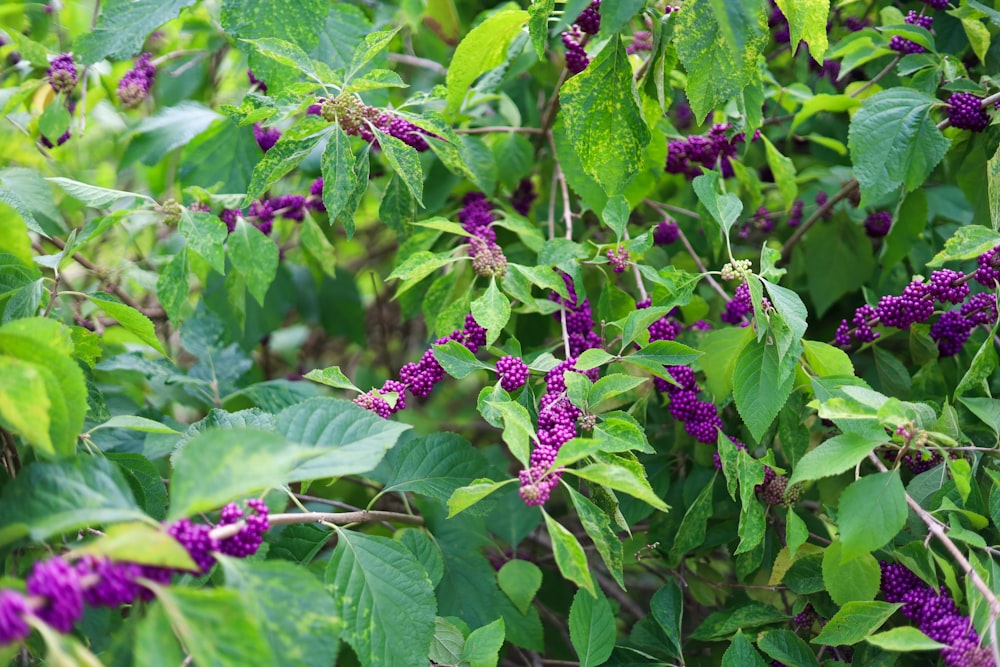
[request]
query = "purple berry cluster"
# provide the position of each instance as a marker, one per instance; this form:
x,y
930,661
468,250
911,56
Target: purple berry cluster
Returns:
x,y
56,590
666,232
700,418
687,156
905,46
134,87
358,119
579,319
738,307
937,4
936,615
665,328
589,19
878,224
618,258
576,57
642,40
966,112
261,213
476,217
254,81
761,222
62,73
523,196
266,137
513,372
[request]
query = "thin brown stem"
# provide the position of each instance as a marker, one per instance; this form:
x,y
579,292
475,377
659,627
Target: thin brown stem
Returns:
x,y
498,128
793,240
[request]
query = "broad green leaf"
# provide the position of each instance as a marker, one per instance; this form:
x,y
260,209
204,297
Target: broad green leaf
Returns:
x,y
172,286
983,366
788,648
613,385
404,161
140,543
482,647
128,317
492,311
619,432
122,27
904,639
761,385
825,359
637,323
448,643
255,257
725,208
987,409
823,101
520,581
855,580
284,53
593,358
853,622
872,511
457,360
834,456
894,141
47,499
385,599
293,146
167,130
205,235
745,616
371,46
55,120
92,195
993,187
467,496
691,533
214,626
339,178
11,198
968,242
25,404
484,48
716,70
796,532
591,628
538,24
134,423
349,440
616,214
570,556
423,546
622,479
331,377
667,607
434,465
807,21
782,167
297,616
598,526
602,120
518,429
741,653
846,252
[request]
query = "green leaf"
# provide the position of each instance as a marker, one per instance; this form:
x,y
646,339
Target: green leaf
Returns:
x,y
134,423
968,242
788,648
846,252
637,323
484,48
807,21
91,195
987,409
691,533
122,27
619,432
416,267
745,616
622,479
570,556
167,130
172,286
856,580
11,199
616,214
725,209
741,653
448,643
331,377
492,311
872,511
348,440
434,465
613,385
467,496
834,456
782,167
140,543
825,360
667,607
796,532
255,257
482,648
405,162
293,146
894,141
373,44
457,360
213,625
593,358
128,317
284,53
520,581
538,24
47,499
855,621
993,189
54,121
823,102
339,178
385,599
761,385
983,366
297,616
518,431
205,234
603,122
598,526
25,404
904,639
591,628
716,70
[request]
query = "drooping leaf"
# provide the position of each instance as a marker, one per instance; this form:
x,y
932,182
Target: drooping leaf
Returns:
x,y
807,21
570,556
520,581
591,628
855,621
761,385
872,511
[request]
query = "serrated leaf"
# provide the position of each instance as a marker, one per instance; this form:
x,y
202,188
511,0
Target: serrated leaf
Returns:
x,y
172,286
467,496
691,532
538,24
787,648
894,142
872,510
25,404
518,430
205,234
434,465
122,27
482,648
591,628
376,583
603,122
783,168
484,48
761,385
570,556
598,526
255,257
285,155
807,21
331,377
404,161
134,423
968,242
725,208
855,580
370,46
741,653
93,195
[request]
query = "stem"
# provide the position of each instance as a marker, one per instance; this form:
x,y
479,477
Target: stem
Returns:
x,y
416,61
638,276
786,250
662,209
498,128
335,518
875,79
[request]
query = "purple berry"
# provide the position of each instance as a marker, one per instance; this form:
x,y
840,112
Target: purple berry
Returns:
x,y
576,57
878,224
13,608
197,540
523,196
618,258
56,582
266,137
950,332
946,288
981,309
589,19
988,271
62,73
666,232
513,373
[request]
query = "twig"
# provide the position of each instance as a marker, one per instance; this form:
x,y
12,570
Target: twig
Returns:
x,y
336,518
416,61
875,79
786,250
497,128
662,209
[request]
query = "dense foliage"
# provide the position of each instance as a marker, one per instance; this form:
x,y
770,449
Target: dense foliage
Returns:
x,y
432,332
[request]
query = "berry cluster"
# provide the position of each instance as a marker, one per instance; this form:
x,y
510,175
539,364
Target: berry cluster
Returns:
x,y
903,45
358,119
476,217
513,373
878,224
642,40
576,57
774,490
937,4
936,615
62,73
579,319
666,232
738,307
266,137
134,87
589,19
618,258
261,213
523,196
665,328
56,589
916,304
687,156
966,112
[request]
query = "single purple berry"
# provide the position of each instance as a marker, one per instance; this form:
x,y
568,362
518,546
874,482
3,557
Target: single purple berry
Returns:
x,y
878,224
